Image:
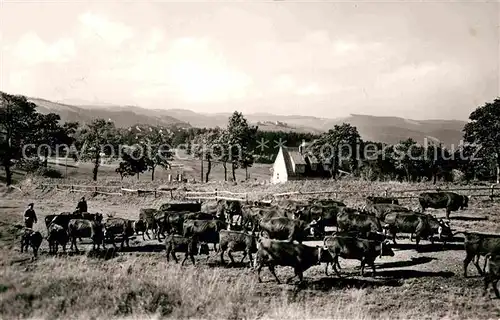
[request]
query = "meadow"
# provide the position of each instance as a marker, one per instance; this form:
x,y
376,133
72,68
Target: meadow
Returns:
x,y
139,283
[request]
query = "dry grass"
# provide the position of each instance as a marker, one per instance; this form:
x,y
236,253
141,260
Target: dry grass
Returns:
x,y
141,285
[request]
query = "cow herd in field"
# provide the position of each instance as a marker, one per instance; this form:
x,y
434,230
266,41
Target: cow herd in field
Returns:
x,y
274,232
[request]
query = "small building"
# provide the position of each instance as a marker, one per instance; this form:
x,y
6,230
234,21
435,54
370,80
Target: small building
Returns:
x,y
297,164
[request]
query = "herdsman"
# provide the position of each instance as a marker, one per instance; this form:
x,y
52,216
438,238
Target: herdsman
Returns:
x,y
30,216
81,207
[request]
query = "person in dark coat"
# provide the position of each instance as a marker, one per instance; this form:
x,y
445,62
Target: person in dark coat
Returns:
x,y
81,207
30,216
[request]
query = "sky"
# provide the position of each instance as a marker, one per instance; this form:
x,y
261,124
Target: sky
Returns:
x,y
418,60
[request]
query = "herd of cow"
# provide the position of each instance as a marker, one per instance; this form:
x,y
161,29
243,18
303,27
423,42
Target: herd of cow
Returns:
x,y
274,232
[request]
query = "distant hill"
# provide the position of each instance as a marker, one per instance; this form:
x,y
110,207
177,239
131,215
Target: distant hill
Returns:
x,y
121,116
373,128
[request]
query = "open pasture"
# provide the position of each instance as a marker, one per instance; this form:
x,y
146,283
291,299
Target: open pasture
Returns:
x,y
139,283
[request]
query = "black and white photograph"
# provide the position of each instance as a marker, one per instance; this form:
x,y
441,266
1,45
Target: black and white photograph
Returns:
x,y
249,159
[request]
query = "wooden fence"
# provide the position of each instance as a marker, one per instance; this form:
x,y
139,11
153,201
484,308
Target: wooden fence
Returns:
x,y
227,195
118,190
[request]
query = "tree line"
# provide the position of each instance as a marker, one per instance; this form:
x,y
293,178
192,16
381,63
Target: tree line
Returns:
x,y
28,138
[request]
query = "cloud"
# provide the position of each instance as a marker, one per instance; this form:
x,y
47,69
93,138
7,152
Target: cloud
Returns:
x,y
95,26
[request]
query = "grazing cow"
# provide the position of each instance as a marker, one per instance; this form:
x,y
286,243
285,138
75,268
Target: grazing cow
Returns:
x,y
351,220
81,228
33,239
479,244
119,227
233,241
284,228
375,200
272,253
176,243
438,200
409,222
491,273
355,248
57,235
204,230
380,210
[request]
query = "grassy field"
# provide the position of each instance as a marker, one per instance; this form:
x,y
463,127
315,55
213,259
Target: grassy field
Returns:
x,y
140,283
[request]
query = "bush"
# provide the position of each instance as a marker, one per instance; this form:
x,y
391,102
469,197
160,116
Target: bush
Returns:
x,y
49,173
29,165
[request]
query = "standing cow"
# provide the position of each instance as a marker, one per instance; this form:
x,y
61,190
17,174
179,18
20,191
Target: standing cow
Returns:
x,y
81,228
57,235
491,273
33,239
272,253
443,200
119,227
355,248
232,241
283,228
352,220
176,243
206,231
479,244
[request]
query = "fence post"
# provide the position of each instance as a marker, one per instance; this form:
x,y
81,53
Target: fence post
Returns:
x,y
72,188
216,194
95,189
171,193
386,192
492,191
155,192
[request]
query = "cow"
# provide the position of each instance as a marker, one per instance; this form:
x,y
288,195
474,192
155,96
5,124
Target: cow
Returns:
x,y
327,202
62,219
181,206
140,227
33,239
272,253
438,200
379,210
375,200
172,222
176,243
355,248
119,227
323,216
283,228
351,220
82,228
232,241
148,217
422,225
491,273
204,230
252,215
57,235
478,244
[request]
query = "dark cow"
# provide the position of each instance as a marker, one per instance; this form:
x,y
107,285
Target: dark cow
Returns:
x,y
181,206
355,248
327,202
479,244
491,273
262,203
176,243
409,222
82,228
323,216
204,230
352,220
62,219
375,200
119,227
172,222
438,200
33,239
140,227
252,215
148,217
379,210
284,228
57,235
272,253
232,241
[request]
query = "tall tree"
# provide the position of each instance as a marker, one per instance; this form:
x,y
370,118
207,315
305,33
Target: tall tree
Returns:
x,y
484,130
100,138
158,143
205,148
242,139
338,143
16,125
